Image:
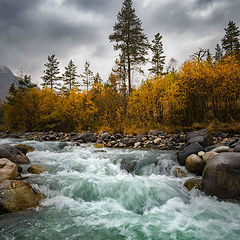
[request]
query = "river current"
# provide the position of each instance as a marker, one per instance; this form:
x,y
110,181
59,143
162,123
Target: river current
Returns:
x,y
88,197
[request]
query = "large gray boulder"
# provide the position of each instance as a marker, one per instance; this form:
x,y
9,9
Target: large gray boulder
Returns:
x,y
193,148
221,176
202,137
13,154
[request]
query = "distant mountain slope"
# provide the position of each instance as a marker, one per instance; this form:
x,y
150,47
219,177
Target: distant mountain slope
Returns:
x,y
6,78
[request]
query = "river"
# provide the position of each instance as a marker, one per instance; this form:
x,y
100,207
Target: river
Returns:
x,y
88,197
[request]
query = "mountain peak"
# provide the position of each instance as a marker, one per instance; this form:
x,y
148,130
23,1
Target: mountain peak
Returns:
x,y
6,79
4,69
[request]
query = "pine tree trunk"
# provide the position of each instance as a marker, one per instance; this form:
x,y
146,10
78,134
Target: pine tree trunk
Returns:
x,y
129,76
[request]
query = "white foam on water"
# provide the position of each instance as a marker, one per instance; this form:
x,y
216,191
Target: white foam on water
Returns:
x,y
91,193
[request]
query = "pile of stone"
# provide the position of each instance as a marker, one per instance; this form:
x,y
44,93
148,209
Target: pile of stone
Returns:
x,y
154,139
218,165
15,194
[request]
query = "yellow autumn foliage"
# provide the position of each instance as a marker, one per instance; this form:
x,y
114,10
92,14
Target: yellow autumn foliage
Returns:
x,y
199,93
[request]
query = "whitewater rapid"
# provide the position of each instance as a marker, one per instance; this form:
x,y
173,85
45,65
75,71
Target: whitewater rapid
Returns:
x,y
88,196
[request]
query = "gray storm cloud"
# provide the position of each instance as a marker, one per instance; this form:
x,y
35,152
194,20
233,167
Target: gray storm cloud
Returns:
x,y
78,29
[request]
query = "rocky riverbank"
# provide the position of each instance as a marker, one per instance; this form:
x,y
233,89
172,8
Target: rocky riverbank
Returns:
x,y
215,160
154,139
15,194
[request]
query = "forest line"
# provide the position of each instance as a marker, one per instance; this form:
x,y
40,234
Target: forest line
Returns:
x,y
204,90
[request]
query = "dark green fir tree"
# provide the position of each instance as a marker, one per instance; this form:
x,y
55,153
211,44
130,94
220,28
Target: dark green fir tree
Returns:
x,y
158,59
129,38
70,77
230,42
51,74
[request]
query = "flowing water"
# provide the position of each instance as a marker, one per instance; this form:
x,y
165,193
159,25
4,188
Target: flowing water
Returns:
x,y
89,197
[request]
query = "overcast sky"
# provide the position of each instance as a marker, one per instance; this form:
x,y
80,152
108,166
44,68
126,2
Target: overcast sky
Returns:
x,y
30,30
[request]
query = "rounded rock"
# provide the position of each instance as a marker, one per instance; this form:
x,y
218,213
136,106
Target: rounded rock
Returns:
x,y
193,183
8,170
221,149
16,196
13,154
208,155
194,164
36,169
178,172
221,176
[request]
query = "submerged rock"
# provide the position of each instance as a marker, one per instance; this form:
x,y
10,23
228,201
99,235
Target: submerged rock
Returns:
x,y
221,176
24,148
17,196
36,169
99,145
178,172
128,165
13,154
8,169
193,183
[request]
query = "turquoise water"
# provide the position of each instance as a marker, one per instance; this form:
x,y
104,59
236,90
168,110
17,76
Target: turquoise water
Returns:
x,y
89,197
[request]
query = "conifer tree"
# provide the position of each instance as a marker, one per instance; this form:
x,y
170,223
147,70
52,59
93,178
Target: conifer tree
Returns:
x,y
25,82
158,59
218,53
97,78
87,76
51,77
129,37
230,42
70,76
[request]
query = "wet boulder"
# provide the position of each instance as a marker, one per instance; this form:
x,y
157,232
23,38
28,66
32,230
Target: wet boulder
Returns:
x,y
178,172
99,145
13,154
193,183
36,169
202,137
128,165
194,164
24,148
221,176
8,170
16,196
193,148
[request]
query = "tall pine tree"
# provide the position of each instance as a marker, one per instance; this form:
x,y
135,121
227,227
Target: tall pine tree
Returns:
x,y
158,59
129,37
230,42
70,77
87,76
51,77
